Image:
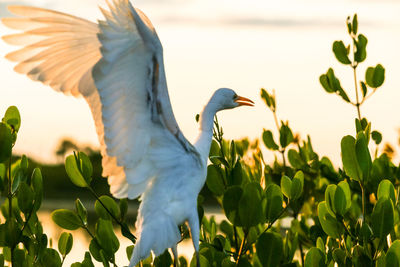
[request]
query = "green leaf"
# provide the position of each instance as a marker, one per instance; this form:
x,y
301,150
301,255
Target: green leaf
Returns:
x,y
111,206
65,243
330,199
269,100
274,200
18,178
286,186
355,24
361,44
359,257
50,257
347,193
236,174
74,173
297,185
37,186
285,135
129,250
363,89
324,80
230,203
340,201
269,249
386,190
382,218
320,245
377,137
363,156
332,85
106,236
214,149
12,118
295,159
123,207
2,176
393,255
215,180
339,255
250,210
335,84
349,26
87,262
341,52
66,219
24,163
25,198
126,232
203,261
315,258
6,142
375,76
366,231
269,140
349,158
81,210
94,249
329,224
338,198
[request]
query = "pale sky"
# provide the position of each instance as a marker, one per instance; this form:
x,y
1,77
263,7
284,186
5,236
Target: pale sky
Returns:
x,y
245,45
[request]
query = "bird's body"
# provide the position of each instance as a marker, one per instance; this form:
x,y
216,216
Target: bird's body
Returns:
x,y
117,66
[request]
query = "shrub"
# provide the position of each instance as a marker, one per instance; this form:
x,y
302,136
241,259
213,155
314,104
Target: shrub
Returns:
x,y
299,210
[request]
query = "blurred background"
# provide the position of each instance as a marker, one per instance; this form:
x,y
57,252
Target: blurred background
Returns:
x,y
245,45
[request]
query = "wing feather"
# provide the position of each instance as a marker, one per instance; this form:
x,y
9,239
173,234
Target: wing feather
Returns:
x,y
117,65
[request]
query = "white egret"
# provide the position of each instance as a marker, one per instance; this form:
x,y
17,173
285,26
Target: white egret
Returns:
x,y
117,66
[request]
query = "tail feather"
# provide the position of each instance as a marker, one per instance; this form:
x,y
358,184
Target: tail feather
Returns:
x,y
157,235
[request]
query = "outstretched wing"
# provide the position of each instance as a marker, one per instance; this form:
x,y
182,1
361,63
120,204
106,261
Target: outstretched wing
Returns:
x,y
117,65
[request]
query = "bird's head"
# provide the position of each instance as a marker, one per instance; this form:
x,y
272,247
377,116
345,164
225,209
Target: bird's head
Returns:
x,y
225,98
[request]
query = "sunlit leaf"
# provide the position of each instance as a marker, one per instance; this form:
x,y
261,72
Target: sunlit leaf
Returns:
x,y
349,158
274,200
329,224
6,142
12,118
269,140
315,258
65,243
393,255
386,190
66,219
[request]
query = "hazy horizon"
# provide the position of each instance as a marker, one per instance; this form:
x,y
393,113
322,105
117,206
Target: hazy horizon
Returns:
x,y
244,45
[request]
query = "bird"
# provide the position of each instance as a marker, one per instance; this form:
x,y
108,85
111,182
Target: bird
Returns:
x,y
117,66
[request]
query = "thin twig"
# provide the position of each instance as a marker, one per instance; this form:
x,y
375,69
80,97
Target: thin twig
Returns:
x,y
356,88
235,234
241,247
109,212
274,220
363,201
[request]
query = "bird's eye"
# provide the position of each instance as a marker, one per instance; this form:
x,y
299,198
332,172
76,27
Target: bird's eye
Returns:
x,y
235,96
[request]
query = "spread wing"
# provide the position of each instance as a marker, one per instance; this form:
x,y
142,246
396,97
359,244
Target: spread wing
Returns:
x,y
117,65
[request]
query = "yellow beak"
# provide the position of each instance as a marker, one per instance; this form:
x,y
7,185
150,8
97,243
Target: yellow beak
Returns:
x,y
243,101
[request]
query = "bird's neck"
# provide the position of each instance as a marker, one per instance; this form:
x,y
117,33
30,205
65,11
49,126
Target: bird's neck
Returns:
x,y
203,141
